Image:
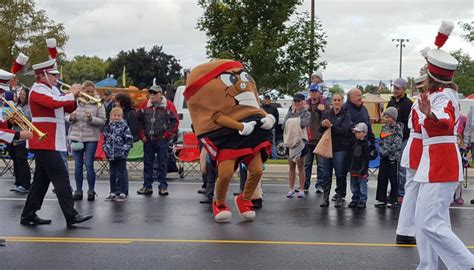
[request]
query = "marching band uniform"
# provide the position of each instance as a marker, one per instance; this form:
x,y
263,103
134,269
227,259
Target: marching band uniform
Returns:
x,y
440,170
410,160
47,110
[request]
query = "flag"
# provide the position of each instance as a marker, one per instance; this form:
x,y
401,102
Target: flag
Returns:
x,y
124,78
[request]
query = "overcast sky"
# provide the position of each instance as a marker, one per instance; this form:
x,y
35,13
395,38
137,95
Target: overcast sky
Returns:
x,y
359,32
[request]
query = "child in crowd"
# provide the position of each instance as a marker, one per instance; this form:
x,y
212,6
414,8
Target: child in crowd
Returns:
x,y
118,141
390,153
359,167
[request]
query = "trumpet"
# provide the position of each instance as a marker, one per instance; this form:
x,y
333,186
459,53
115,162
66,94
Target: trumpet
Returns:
x,y
85,97
19,119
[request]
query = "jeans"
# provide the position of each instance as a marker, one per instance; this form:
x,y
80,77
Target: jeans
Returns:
x,y
273,154
64,156
211,173
402,173
338,162
308,168
88,153
359,189
160,148
118,179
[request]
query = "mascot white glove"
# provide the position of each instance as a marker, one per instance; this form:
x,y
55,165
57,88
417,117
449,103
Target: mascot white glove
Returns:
x,y
268,122
248,128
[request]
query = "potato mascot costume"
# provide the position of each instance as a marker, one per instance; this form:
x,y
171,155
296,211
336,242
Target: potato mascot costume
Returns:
x,y
227,119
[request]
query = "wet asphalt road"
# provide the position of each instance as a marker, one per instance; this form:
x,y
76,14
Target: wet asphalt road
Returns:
x,y
176,232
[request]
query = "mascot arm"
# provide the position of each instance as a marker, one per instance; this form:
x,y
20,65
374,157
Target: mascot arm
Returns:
x,y
225,121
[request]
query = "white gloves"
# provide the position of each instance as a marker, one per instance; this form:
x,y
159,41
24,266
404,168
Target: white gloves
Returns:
x,y
268,122
248,128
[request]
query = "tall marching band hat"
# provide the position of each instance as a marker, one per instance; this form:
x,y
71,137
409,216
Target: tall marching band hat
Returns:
x,y
441,65
419,81
5,78
49,66
19,63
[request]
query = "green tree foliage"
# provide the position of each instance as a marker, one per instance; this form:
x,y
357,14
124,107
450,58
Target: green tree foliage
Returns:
x,y
468,31
336,89
84,68
464,76
25,29
142,66
259,34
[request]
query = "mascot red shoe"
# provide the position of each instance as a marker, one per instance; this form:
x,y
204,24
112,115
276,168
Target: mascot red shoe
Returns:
x,y
227,119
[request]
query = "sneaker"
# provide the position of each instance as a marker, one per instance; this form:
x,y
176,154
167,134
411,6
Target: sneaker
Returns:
x,y
361,205
406,240
202,191
352,204
244,208
221,212
77,195
121,198
111,198
392,205
13,188
163,192
380,204
335,197
301,195
91,195
257,203
338,202
400,199
21,189
306,190
290,194
458,202
145,191
319,189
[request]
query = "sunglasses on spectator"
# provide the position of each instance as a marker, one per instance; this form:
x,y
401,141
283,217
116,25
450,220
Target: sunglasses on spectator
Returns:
x,y
153,92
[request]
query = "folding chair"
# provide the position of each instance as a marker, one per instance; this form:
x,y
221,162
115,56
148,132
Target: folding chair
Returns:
x,y
6,160
375,164
189,154
135,156
101,158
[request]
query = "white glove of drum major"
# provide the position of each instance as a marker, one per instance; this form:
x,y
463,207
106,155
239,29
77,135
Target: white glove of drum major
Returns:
x,y
248,128
268,122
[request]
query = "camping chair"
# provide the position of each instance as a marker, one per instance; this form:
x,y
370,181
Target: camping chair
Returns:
x,y
6,160
135,156
101,158
189,154
375,164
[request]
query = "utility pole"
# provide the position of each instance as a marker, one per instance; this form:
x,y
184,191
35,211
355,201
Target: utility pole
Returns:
x,y
311,44
400,44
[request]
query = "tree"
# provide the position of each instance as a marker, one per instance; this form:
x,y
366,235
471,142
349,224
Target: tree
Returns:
x,y
84,68
25,29
468,31
336,89
142,66
258,34
464,75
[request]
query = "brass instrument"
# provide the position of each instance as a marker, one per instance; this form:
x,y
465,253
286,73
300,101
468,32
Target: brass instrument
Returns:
x,y
19,119
86,98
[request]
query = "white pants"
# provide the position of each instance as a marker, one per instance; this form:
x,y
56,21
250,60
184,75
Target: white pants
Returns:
x,y
434,236
406,219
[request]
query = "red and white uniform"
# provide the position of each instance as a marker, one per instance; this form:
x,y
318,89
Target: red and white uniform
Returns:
x,y
412,154
410,160
441,161
48,106
7,135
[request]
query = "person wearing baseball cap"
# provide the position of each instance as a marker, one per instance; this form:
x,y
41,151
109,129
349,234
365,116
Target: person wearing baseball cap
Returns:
x,y
440,169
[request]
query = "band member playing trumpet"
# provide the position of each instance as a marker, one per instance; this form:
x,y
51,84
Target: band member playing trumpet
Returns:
x,y
47,107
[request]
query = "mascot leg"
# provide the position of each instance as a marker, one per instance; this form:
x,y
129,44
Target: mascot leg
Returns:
x,y
225,172
243,201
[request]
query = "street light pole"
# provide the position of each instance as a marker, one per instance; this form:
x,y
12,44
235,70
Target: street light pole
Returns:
x,y
311,44
400,44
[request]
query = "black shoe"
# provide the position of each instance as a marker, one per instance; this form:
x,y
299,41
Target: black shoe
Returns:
x,y
380,204
163,192
257,203
392,205
324,202
406,240
33,221
238,193
361,205
2,242
78,219
319,189
472,201
77,195
338,202
202,191
352,204
206,200
91,195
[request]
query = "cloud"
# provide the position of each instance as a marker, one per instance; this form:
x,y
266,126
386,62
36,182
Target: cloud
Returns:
x,y
359,33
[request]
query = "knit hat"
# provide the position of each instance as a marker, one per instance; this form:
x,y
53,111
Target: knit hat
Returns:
x,y
392,112
318,74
